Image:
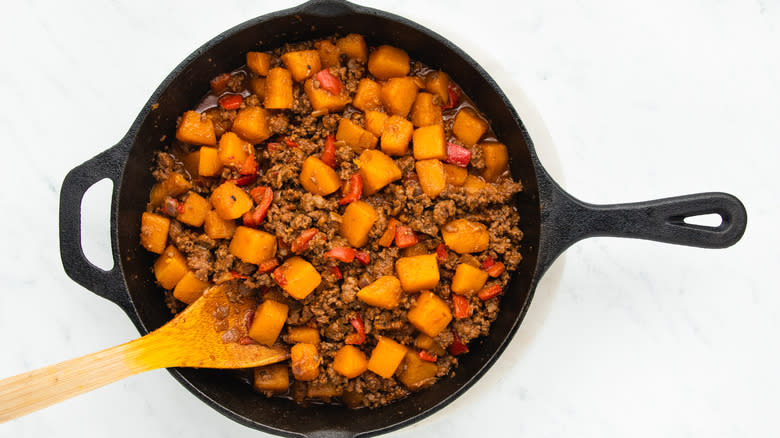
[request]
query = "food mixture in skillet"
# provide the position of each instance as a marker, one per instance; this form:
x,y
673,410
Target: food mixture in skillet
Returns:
x,y
358,197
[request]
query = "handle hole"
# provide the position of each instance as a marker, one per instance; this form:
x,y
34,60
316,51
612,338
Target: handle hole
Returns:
x,y
712,220
96,224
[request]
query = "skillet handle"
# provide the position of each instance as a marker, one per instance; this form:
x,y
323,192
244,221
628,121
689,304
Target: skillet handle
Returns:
x,y
107,284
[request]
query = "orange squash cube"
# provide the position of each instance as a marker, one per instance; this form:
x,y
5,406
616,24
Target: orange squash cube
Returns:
x,y
218,228
455,175
356,222
251,124
174,185
417,373
425,342
428,142
323,391
350,362
252,246
386,357
230,201
154,232
319,178
302,64
329,53
194,210
398,95
424,111
189,288
496,160
418,272
375,122
387,62
469,127
258,62
473,184
305,362
430,314
191,162
306,335
170,267
278,89
433,179
233,151
272,379
354,136
377,170
367,97
209,163
322,100
437,83
297,277
257,87
269,320
196,128
468,279
464,236
396,135
354,46
384,292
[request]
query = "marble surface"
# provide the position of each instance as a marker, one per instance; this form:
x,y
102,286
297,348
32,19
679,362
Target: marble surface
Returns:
x,y
641,100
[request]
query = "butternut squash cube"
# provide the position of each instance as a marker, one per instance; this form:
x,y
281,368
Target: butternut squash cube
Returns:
x,y
386,357
194,210
433,179
356,222
305,362
154,232
257,87
302,64
437,83
191,162
426,342
424,111
398,95
233,151
455,175
297,277
496,160
354,136
469,127
170,267
209,163
252,246
174,185
387,62
258,62
269,320
350,362
306,335
322,100
367,97
230,201
272,379
473,184
354,46
329,53
189,288
396,135
319,178
430,314
418,272
428,142
468,279
278,89
375,122
323,391
377,170
196,128
251,124
218,228
384,292
417,373
464,236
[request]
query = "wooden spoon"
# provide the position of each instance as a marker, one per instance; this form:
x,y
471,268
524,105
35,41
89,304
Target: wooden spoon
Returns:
x,y
191,339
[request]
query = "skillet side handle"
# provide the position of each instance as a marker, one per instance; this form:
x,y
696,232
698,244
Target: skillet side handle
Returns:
x,y
107,284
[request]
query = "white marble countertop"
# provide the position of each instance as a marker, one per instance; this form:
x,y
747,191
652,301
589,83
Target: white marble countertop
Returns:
x,y
641,100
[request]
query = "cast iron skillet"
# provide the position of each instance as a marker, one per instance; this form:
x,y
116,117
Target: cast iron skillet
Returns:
x,y
551,219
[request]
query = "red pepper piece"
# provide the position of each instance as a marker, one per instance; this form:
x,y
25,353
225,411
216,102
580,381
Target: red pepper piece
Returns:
x,y
237,275
246,340
336,272
428,357
279,277
219,82
363,257
329,153
301,243
405,237
359,336
267,266
458,155
488,263
496,270
272,147
263,196
244,180
441,252
290,143
249,166
489,292
230,101
461,305
389,234
354,189
454,94
328,82
457,347
342,253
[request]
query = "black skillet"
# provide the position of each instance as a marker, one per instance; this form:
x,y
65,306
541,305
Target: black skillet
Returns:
x,y
551,218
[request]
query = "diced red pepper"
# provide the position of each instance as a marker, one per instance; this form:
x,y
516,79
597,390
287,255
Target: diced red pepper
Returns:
x,y
354,189
454,94
237,275
246,340
461,305
489,292
290,143
342,253
279,277
428,357
244,180
496,270
273,146
180,208
457,347
458,155
329,153
230,101
263,197
301,243
336,272
488,263
219,82
441,252
404,236
328,82
249,166
389,235
363,257
359,336
267,266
